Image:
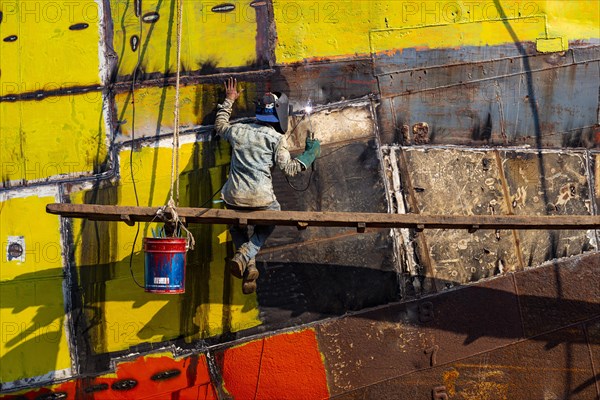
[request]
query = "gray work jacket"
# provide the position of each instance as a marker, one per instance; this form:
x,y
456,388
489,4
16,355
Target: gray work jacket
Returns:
x,y
255,149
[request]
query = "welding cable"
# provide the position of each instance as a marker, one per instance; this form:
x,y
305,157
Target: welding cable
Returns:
x,y
313,170
137,201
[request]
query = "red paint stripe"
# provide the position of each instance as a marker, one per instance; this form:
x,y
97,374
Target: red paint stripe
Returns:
x,y
285,366
193,382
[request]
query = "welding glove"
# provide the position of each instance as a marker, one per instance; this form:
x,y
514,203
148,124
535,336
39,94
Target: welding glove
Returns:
x,y
312,150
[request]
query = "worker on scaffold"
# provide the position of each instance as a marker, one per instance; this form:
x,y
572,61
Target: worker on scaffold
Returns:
x,y
256,148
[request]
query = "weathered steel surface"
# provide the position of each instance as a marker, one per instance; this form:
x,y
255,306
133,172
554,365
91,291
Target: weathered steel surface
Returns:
x,y
339,219
509,337
408,337
548,183
434,59
477,189
415,260
561,293
526,370
496,99
487,183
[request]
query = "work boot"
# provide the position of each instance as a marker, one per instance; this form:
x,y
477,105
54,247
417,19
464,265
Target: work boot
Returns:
x,y
251,271
238,265
249,287
250,277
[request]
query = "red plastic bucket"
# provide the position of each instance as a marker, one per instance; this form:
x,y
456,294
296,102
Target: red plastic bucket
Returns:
x,y
164,265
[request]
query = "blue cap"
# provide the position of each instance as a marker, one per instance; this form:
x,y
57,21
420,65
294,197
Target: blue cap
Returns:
x,y
265,109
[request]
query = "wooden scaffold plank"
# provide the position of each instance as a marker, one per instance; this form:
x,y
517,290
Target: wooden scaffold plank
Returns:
x,y
305,219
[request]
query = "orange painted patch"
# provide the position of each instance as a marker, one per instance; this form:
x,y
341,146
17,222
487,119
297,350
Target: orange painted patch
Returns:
x,y
286,366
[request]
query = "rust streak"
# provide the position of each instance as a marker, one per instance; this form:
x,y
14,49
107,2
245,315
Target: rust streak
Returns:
x,y
506,192
422,245
516,367
591,353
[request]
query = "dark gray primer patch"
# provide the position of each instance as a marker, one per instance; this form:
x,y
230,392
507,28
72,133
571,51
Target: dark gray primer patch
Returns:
x,y
137,7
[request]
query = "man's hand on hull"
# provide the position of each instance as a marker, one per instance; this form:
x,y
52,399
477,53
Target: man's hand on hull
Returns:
x,y
231,92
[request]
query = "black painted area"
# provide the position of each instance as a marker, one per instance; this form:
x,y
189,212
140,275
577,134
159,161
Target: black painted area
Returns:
x,y
124,384
223,8
79,27
137,7
134,42
324,82
347,178
151,17
290,294
307,275
165,375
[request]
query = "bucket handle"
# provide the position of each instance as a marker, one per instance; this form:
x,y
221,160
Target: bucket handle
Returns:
x,y
169,213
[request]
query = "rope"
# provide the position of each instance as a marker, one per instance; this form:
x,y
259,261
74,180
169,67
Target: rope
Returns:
x,y
175,151
169,213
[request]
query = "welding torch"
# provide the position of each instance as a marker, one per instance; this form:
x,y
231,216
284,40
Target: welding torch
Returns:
x,y
311,131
